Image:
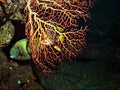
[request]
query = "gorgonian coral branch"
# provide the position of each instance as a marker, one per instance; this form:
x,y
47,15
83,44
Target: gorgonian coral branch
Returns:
x,y
53,31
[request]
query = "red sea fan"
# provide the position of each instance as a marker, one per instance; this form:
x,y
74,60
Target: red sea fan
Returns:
x,y
53,31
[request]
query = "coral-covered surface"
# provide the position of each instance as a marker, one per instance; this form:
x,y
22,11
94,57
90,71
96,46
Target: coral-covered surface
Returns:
x,y
6,34
16,77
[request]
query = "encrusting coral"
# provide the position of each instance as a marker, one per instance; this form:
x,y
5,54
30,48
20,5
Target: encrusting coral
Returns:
x,y
6,33
9,11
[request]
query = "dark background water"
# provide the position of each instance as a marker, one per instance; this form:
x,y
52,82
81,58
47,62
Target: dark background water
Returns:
x,y
107,7
105,21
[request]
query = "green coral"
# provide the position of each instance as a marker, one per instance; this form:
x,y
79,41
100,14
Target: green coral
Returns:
x,y
61,37
59,28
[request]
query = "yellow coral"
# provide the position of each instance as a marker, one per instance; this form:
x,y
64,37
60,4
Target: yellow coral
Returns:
x,y
57,48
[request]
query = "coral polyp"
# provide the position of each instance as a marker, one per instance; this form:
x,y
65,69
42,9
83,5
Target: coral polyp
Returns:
x,y
53,31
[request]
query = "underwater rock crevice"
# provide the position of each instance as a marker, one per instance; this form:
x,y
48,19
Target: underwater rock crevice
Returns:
x,y
18,34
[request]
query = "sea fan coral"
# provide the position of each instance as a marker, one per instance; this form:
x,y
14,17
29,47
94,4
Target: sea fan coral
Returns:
x,y
53,30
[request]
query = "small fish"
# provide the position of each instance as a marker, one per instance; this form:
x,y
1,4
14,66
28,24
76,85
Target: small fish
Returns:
x,y
20,50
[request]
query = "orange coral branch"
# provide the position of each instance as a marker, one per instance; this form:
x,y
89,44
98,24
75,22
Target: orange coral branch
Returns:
x,y
53,31
3,1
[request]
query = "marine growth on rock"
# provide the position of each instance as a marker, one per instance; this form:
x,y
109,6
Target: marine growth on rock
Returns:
x,y
6,33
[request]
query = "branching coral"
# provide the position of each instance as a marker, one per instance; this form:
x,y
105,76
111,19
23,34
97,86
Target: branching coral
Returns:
x,y
53,31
